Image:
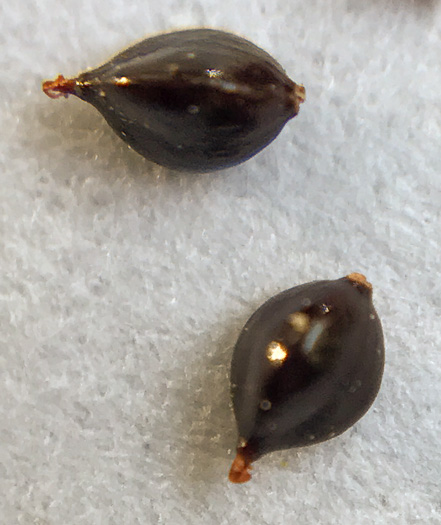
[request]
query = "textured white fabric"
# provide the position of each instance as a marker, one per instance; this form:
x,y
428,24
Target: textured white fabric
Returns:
x,y
124,287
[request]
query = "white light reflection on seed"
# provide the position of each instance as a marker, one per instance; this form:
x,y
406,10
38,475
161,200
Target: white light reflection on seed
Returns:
x,y
122,81
313,336
276,353
299,321
214,73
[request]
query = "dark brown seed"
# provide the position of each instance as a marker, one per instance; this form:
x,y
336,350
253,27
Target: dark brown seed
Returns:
x,y
307,365
197,100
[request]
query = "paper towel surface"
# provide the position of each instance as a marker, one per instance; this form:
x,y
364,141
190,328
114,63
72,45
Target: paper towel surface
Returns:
x,y
124,286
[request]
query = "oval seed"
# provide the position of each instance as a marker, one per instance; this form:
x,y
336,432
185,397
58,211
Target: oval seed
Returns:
x,y
197,100
327,344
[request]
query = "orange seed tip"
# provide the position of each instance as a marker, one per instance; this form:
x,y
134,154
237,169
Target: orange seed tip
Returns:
x,y
239,472
360,280
60,87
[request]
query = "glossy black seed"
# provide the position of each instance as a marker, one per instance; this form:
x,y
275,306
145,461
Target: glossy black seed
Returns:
x,y
307,365
197,100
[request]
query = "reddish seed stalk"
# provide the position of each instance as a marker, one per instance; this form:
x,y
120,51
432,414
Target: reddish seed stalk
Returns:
x,y
60,87
239,472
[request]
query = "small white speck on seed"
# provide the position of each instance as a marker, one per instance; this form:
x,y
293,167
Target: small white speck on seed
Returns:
x,y
193,110
102,93
354,386
173,68
229,87
213,73
265,404
191,55
372,317
306,302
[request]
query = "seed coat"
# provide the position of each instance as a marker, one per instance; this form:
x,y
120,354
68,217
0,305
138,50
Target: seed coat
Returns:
x,y
195,100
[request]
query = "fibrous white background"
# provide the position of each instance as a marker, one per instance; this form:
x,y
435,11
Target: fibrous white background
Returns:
x,y
124,286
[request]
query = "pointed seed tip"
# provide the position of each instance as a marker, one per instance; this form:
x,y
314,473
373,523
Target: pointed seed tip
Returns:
x,y
300,92
60,87
297,97
239,472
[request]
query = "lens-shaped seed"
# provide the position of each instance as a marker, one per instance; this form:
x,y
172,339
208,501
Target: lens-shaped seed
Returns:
x,y
307,365
196,100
